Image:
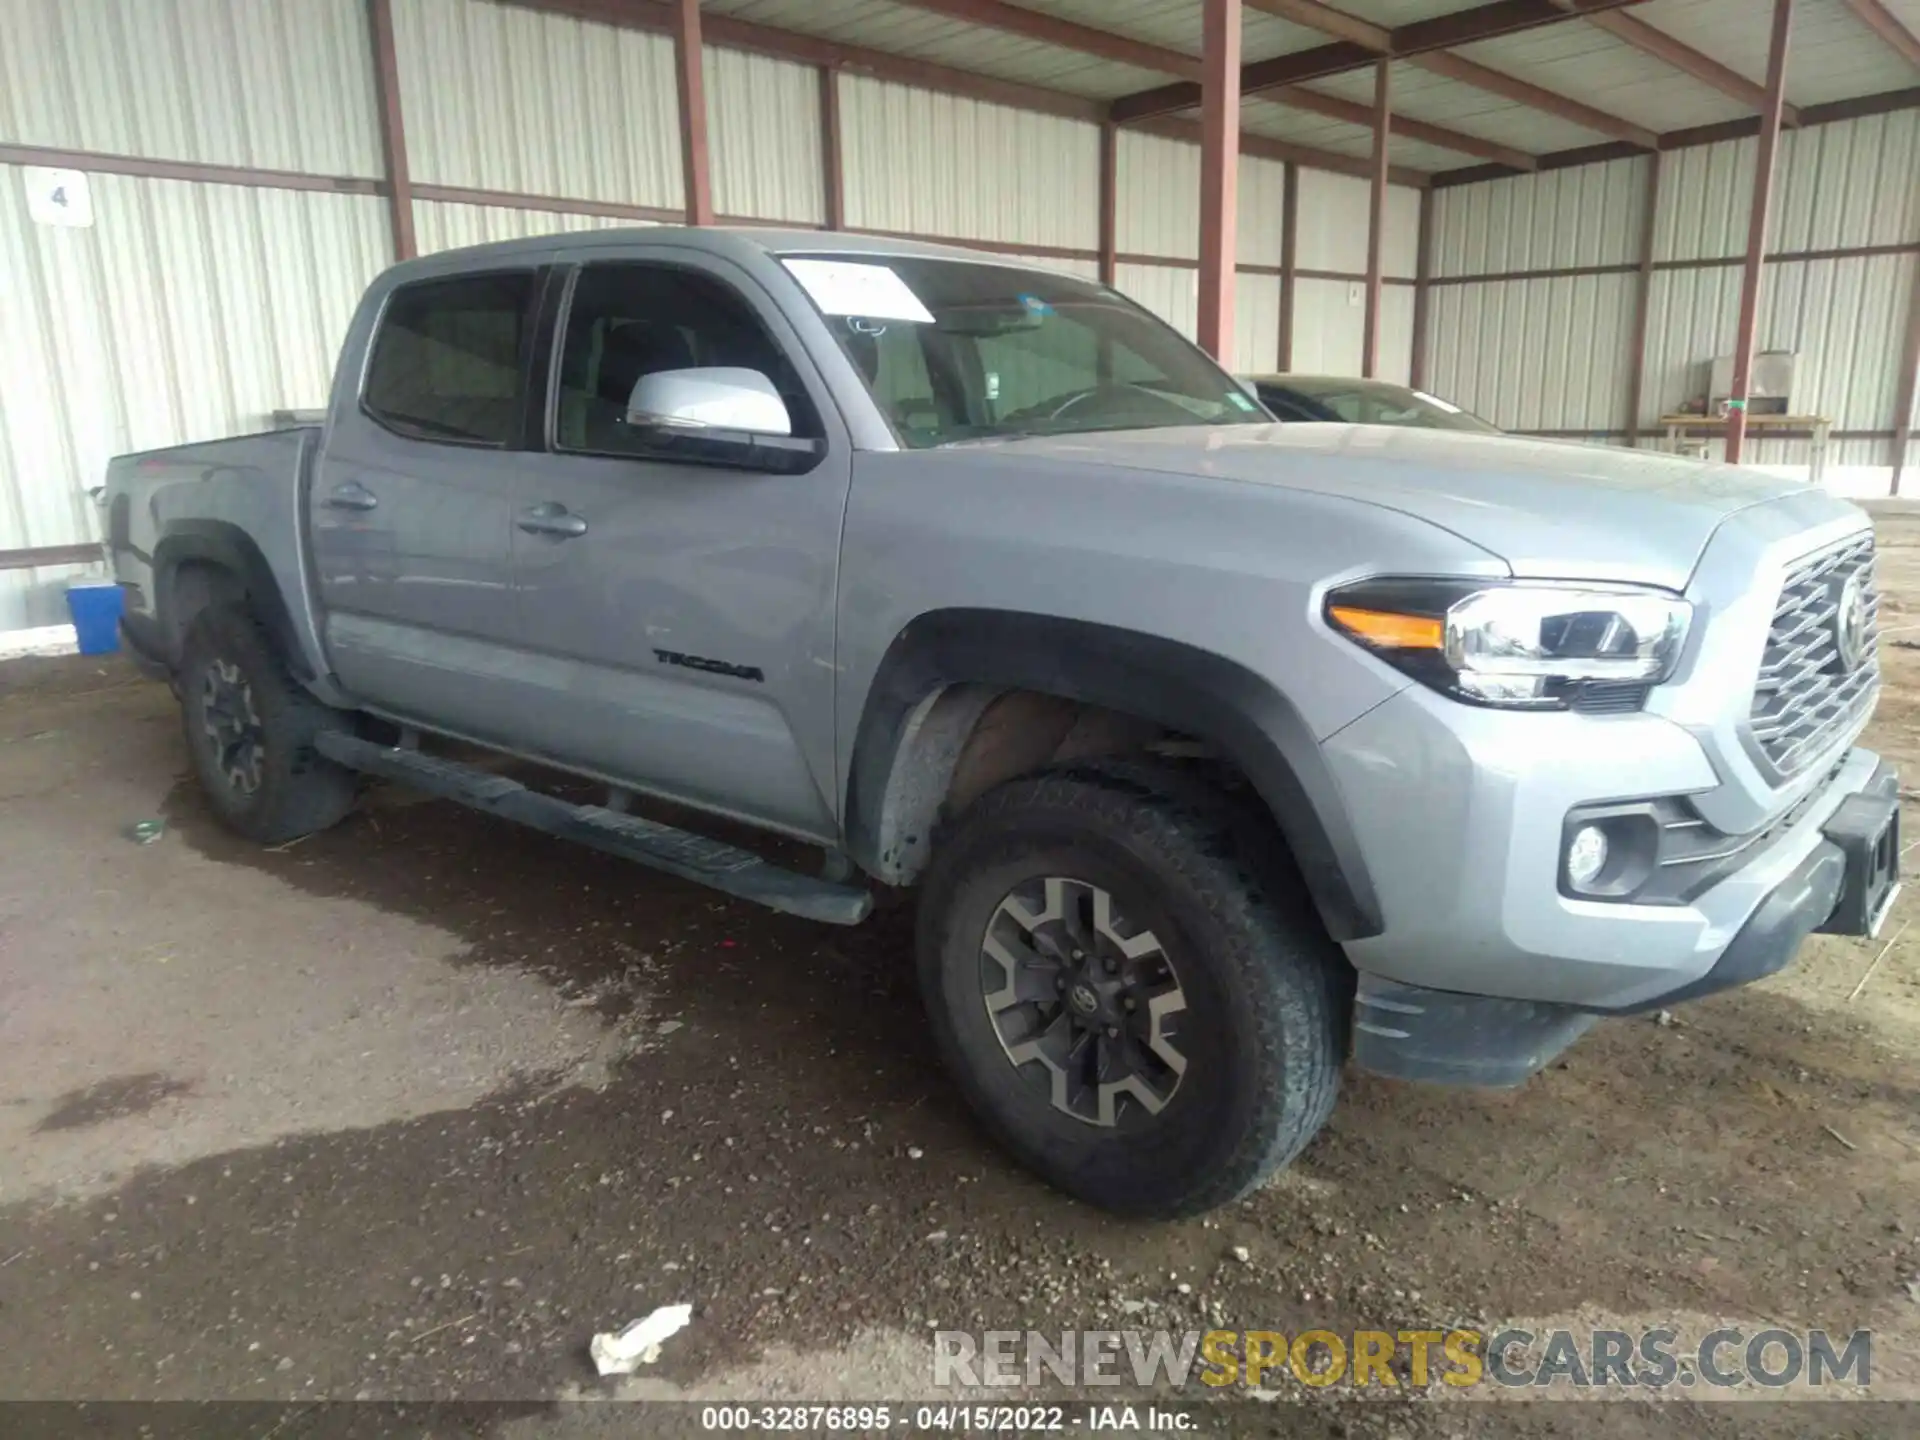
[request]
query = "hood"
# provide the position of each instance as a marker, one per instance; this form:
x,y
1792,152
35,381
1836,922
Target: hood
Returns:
x,y
1550,509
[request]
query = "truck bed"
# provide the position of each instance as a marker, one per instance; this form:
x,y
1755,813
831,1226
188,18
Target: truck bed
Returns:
x,y
239,502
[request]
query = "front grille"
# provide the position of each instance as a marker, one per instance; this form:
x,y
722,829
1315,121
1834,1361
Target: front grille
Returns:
x,y
1805,697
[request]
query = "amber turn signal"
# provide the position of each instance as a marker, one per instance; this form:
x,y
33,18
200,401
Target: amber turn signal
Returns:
x,y
1389,630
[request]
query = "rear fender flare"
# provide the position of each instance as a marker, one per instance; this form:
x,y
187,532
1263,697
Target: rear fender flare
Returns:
x,y
229,548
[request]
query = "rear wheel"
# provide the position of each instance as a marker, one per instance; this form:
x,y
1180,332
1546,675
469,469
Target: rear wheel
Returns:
x,y
250,729
1134,1004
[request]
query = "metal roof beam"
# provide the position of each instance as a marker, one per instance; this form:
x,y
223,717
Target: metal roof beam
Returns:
x,y
1299,97
660,18
1888,26
1442,32
1827,113
1268,147
1689,61
1549,102
1329,21
1317,15
1066,34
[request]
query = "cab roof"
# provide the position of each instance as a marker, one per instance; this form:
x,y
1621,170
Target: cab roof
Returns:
x,y
735,242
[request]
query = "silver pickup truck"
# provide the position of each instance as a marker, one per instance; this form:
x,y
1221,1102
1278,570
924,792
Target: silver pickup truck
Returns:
x,y
1220,751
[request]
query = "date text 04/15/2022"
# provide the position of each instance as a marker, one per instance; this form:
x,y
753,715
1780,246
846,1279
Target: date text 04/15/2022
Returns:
x,y
1015,1419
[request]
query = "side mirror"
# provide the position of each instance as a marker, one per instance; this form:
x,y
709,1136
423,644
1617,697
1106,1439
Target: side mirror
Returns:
x,y
719,415
715,397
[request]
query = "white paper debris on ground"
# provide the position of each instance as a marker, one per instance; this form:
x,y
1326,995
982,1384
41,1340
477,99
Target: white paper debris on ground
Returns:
x,y
618,1352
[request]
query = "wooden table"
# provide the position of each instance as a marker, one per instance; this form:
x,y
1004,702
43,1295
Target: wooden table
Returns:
x,y
1817,427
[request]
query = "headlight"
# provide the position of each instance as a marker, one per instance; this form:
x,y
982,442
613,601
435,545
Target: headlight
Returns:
x,y
1520,646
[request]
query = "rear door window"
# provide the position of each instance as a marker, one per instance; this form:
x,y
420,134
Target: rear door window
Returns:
x,y
449,361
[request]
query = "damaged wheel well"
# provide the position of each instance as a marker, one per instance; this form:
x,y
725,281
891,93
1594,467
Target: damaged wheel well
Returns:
x,y
965,739
966,699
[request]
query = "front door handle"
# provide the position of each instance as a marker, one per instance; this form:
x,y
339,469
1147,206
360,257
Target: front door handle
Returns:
x,y
552,519
350,496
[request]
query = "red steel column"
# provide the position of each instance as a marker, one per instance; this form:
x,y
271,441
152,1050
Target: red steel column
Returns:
x,y
393,132
1377,214
1219,174
1909,382
1757,229
1422,292
1642,301
693,113
1109,187
832,176
1289,263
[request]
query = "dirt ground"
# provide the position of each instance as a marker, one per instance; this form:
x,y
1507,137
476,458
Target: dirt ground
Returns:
x,y
408,1110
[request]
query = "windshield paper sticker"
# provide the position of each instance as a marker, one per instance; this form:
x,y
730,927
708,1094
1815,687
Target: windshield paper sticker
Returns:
x,y
842,287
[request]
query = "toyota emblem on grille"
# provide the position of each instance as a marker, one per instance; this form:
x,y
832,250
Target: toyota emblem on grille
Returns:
x,y
1850,623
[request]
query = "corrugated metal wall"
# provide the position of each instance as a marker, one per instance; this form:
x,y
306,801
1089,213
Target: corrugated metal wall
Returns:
x,y
1553,354
1148,169
446,225
1333,225
194,309
946,166
1329,320
1541,354
498,97
1589,215
185,310
1535,354
1329,312
275,84
1173,293
197,309
764,119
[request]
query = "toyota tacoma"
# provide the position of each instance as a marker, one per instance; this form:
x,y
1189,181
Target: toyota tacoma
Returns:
x,y
1221,752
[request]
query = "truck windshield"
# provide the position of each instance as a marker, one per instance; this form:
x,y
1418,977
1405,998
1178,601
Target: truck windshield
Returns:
x,y
1363,402
956,351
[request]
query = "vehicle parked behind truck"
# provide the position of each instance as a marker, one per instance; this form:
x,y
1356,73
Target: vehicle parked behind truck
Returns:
x,y
1219,751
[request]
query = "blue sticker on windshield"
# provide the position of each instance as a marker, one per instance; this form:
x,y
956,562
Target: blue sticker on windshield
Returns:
x,y
1236,398
1036,305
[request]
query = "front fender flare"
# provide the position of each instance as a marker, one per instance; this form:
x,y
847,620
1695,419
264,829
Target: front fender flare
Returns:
x,y
937,669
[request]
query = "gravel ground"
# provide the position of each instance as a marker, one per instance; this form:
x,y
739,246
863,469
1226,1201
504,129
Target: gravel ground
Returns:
x,y
408,1110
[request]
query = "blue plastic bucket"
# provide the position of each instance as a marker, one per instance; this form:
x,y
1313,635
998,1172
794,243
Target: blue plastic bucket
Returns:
x,y
96,610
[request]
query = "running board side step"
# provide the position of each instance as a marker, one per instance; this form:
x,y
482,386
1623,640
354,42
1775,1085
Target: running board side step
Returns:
x,y
705,861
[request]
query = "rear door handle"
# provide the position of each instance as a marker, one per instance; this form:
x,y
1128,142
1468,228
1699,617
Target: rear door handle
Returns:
x,y
350,496
552,519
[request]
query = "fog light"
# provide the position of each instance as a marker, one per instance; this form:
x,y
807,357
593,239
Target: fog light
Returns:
x,y
1586,856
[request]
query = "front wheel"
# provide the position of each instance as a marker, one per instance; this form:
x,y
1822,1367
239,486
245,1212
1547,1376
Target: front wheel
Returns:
x,y
250,729
1130,1008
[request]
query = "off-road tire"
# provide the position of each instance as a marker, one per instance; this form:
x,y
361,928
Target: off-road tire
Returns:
x,y
299,790
1269,995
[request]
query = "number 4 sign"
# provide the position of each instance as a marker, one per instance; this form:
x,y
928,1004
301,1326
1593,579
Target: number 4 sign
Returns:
x,y
58,197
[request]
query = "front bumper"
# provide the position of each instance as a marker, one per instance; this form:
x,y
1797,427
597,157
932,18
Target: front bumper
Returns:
x,y
1844,884
1460,813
